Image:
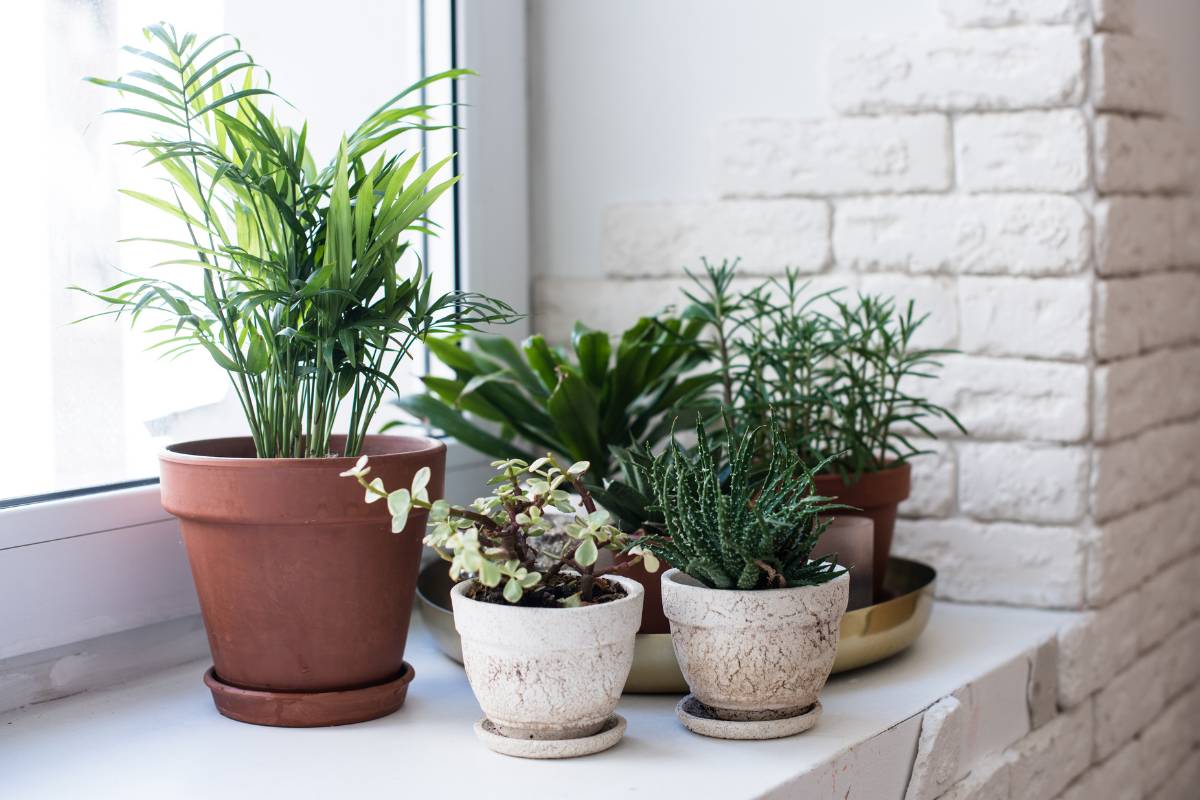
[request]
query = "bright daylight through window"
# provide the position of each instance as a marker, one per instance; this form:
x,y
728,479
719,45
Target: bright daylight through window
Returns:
x,y
90,405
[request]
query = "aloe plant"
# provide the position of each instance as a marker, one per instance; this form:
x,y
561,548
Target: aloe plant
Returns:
x,y
579,403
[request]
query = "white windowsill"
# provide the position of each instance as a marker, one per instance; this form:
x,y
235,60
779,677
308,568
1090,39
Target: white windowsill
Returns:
x,y
161,737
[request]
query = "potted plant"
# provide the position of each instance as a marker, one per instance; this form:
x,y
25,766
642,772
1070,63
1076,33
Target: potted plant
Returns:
x,y
547,651
294,290
836,375
754,621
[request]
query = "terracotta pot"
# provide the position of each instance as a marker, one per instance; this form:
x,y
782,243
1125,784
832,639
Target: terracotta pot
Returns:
x,y
653,618
304,590
875,495
755,655
852,540
548,673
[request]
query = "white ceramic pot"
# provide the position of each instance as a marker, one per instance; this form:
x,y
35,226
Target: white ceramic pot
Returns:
x,y
548,673
754,655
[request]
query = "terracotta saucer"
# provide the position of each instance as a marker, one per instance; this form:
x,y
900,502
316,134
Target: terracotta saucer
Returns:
x,y
309,709
698,719
609,735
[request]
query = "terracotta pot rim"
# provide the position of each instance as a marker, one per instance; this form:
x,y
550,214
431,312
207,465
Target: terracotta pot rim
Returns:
x,y
178,453
892,468
633,590
672,575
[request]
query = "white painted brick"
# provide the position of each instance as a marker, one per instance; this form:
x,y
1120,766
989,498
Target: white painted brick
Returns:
x,y
1047,318
1185,231
659,239
989,780
1129,74
1129,702
1004,234
1022,482
1168,740
1133,234
1138,154
1182,784
939,750
1165,601
1114,15
934,481
1095,647
1045,761
776,157
998,562
936,296
1146,312
1041,694
959,71
1004,13
1138,471
1126,551
1117,778
1004,398
1025,151
1181,658
1138,393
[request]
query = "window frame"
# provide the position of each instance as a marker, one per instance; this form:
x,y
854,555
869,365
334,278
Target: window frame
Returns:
x,y
109,558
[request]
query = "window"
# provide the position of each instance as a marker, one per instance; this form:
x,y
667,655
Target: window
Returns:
x,y
88,405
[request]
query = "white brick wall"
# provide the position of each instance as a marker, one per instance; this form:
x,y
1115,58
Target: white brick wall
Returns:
x,y
1133,234
1129,74
959,71
1048,318
1138,154
1024,151
1024,482
1140,470
1138,314
1003,13
1138,393
1114,15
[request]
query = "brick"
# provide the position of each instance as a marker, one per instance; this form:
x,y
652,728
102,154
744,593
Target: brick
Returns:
x,y
1004,234
1138,393
1003,13
934,481
1133,234
988,780
1114,15
998,562
1124,552
936,296
1025,151
1146,312
1022,482
1140,154
1045,761
1041,695
1129,74
1095,647
1168,740
1165,602
779,157
1182,784
959,71
1181,658
659,239
1185,231
1128,703
1004,398
1046,318
939,750
1138,471
1117,778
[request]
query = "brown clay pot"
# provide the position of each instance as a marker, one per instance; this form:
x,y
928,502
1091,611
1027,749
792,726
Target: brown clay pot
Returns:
x,y
654,620
875,495
305,591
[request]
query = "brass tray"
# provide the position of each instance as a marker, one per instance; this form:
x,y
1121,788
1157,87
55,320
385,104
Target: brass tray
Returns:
x,y
868,635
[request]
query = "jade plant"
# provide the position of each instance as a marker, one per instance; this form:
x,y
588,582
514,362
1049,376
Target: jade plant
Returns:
x,y
745,531
495,541
295,289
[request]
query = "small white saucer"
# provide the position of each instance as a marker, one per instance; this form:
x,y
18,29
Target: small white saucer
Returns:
x,y
609,735
698,719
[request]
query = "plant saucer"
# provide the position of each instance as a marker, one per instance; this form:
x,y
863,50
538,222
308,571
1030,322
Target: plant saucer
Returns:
x,y
698,718
609,735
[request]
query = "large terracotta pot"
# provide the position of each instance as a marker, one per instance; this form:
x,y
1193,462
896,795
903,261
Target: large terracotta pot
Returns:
x,y
305,592
653,618
875,495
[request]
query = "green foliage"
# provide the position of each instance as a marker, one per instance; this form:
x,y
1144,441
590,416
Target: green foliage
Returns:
x,y
298,295
839,382
740,533
578,403
495,541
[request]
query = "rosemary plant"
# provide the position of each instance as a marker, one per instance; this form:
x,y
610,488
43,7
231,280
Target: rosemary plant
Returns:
x,y
298,295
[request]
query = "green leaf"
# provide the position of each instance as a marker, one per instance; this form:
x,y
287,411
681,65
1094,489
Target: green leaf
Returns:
x,y
593,350
573,407
587,553
513,591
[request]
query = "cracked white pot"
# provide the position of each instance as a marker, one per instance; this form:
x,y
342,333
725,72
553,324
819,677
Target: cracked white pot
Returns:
x,y
755,655
548,673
